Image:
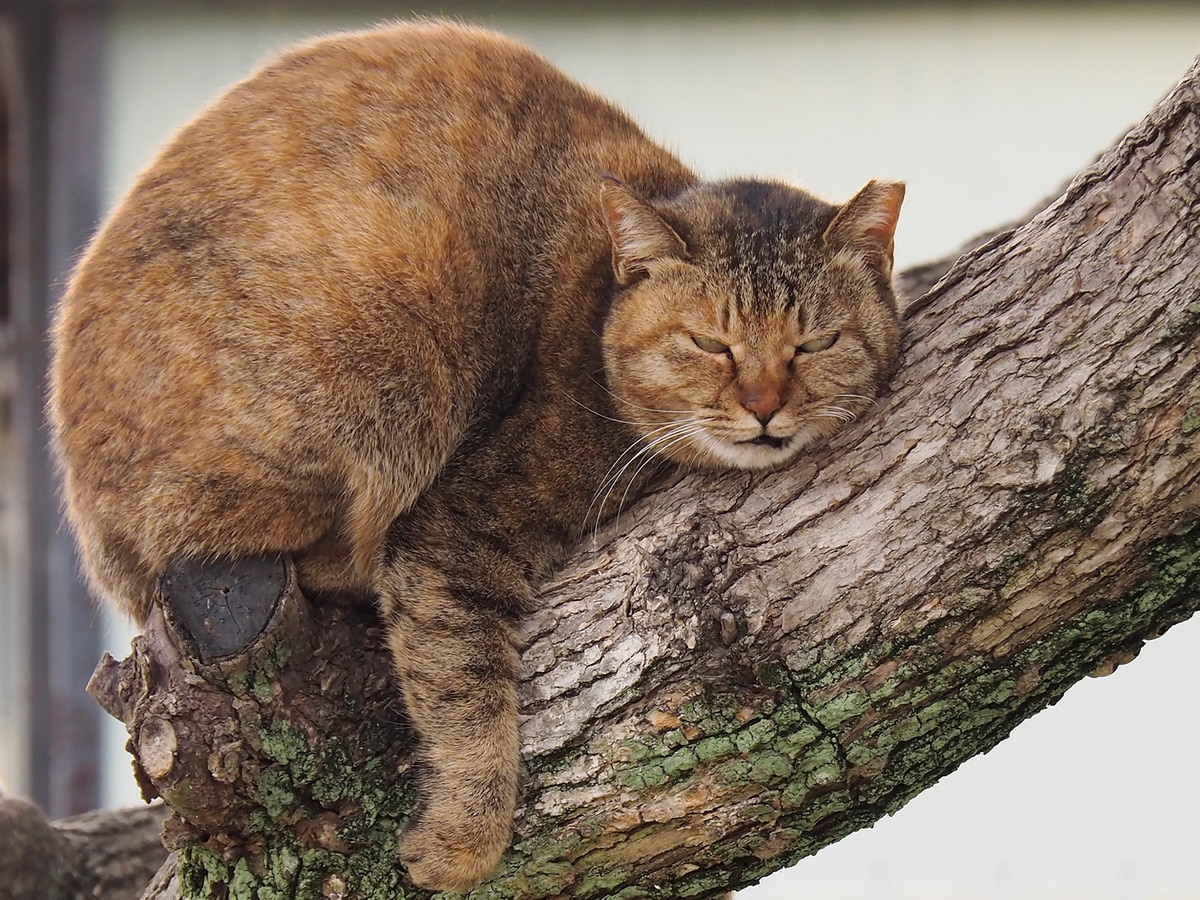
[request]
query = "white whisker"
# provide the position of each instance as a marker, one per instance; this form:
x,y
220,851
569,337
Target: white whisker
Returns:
x,y
838,413
664,443
622,401
596,412
640,454
613,475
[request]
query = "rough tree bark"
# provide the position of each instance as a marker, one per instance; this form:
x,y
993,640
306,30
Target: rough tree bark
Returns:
x,y
744,669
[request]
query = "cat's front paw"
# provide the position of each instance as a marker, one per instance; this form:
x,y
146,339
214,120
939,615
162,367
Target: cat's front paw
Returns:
x,y
452,848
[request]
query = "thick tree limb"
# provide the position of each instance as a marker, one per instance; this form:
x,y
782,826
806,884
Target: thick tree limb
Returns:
x,y
745,668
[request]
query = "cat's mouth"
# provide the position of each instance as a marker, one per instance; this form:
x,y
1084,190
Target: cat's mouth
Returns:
x,y
765,440
763,451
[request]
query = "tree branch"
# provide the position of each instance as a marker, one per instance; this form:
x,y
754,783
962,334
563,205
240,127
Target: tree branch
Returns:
x,y
743,669
102,855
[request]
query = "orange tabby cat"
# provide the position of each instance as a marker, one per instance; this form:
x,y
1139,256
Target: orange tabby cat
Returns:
x,y
414,307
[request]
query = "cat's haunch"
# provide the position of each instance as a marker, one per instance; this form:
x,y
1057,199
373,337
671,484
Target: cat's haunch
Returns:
x,y
417,309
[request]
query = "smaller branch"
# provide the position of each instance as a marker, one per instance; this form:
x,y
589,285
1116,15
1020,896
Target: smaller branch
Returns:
x,y
100,855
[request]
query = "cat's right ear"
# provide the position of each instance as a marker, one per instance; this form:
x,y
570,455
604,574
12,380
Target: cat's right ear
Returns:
x,y
641,239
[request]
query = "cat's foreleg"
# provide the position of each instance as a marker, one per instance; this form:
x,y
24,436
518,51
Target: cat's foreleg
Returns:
x,y
457,661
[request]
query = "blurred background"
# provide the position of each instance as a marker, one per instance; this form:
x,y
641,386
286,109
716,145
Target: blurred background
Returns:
x,y
984,109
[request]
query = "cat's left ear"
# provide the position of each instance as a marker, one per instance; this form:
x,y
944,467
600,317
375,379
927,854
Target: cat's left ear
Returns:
x,y
866,224
641,238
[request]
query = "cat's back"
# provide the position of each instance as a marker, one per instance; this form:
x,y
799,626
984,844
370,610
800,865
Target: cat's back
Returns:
x,y
409,107
343,136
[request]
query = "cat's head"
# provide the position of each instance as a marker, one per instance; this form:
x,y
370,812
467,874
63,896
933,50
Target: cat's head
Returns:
x,y
751,320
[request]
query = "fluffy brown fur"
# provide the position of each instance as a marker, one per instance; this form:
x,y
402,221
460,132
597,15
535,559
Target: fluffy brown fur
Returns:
x,y
414,307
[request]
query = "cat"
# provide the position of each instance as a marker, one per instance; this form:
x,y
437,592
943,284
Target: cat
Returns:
x,y
417,309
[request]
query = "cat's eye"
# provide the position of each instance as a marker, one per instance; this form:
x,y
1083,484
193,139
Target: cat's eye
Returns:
x,y
816,345
708,345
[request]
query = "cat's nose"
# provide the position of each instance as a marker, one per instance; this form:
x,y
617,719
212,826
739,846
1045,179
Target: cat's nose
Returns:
x,y
763,401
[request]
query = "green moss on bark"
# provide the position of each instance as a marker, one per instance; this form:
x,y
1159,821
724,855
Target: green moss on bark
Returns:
x,y
825,768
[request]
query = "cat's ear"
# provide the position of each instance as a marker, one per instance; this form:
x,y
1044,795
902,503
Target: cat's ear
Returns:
x,y
641,239
866,224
